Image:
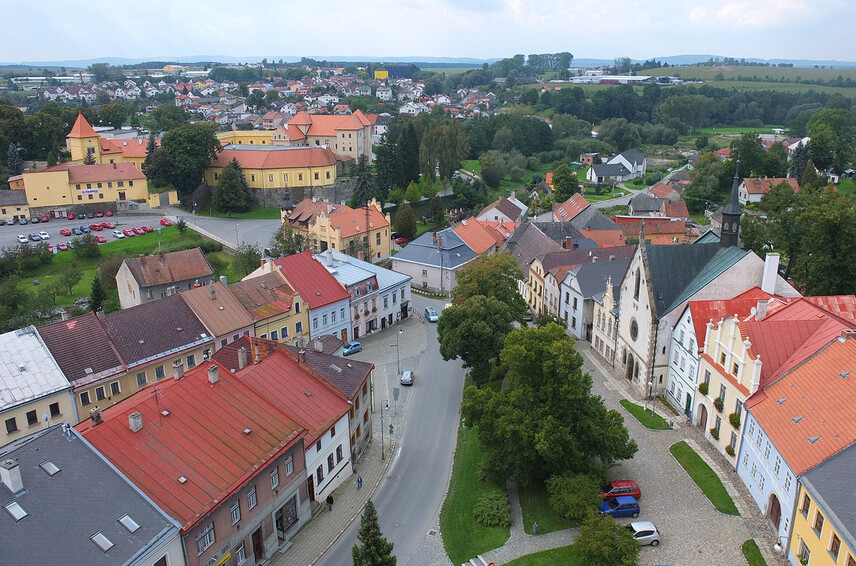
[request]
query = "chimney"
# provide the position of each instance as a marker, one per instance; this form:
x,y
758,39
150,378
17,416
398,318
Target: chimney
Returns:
x,y
213,374
114,166
178,369
771,270
612,258
10,475
100,314
511,196
318,345
594,259
243,358
264,284
568,243
135,421
223,280
211,292
262,262
761,309
95,415
756,375
258,358
301,357
433,237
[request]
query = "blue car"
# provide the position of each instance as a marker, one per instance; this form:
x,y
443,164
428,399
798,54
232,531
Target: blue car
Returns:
x,y
624,506
351,348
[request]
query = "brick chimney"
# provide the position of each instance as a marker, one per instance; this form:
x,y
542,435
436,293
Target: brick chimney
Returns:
x,y
243,358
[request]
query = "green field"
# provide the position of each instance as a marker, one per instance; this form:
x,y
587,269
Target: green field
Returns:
x,y
535,505
449,70
761,74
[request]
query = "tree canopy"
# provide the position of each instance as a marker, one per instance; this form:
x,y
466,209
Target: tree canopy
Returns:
x,y
604,542
182,157
373,548
288,240
232,193
496,276
565,183
405,222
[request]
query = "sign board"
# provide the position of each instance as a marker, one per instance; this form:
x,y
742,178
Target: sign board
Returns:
x,y
395,393
225,559
89,191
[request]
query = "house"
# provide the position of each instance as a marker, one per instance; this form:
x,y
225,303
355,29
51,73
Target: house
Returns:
x,y
664,191
277,309
44,478
235,483
13,203
570,209
149,278
580,287
34,393
608,173
224,317
632,160
481,237
566,235
508,209
285,380
723,153
751,190
644,205
589,158
604,334
661,231
379,297
432,260
347,135
272,120
525,244
824,523
276,166
674,209
363,231
83,141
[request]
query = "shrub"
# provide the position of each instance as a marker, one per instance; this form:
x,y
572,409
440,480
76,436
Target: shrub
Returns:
x,y
703,387
86,247
714,433
729,450
208,246
651,179
493,510
491,177
573,495
734,419
717,403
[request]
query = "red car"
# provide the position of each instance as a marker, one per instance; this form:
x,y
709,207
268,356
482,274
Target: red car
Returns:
x,y
44,219
108,213
128,233
96,227
62,247
65,232
147,228
165,222
138,231
618,488
401,240
108,225
70,216
100,239
99,214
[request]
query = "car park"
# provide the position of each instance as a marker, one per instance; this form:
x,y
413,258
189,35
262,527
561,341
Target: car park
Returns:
x,y
44,235
644,532
165,222
147,228
431,314
621,506
100,239
406,377
44,218
65,232
118,234
96,226
351,348
616,488
137,230
35,238
128,233
22,239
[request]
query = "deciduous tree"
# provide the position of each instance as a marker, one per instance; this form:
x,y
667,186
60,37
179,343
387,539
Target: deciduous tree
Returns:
x,y
573,495
183,155
604,542
288,240
496,276
247,258
565,183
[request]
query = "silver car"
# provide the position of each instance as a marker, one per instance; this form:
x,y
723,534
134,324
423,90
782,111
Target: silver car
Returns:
x,y
406,377
644,532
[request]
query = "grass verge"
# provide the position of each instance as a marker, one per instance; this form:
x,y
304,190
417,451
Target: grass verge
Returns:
x,y
753,554
535,505
256,213
645,418
463,536
566,555
704,477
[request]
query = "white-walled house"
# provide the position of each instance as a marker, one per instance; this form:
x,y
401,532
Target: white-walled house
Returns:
x,y
578,290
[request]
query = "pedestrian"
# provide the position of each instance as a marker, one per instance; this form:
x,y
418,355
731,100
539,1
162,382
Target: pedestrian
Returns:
x,y
359,483
535,528
330,502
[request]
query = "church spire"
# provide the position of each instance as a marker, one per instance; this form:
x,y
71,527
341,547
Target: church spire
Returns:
x,y
731,212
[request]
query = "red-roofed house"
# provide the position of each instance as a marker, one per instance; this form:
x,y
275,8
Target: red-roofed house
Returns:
x,y
217,456
723,153
277,167
477,235
83,141
662,190
347,135
752,189
568,210
507,209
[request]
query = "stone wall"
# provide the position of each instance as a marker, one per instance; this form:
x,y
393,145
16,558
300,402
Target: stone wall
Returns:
x,y
340,191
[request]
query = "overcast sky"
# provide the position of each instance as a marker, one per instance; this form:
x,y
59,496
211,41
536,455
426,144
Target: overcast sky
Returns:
x,y
156,29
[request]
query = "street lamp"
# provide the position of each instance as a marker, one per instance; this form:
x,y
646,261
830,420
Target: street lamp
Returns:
x,y
384,404
651,395
783,548
398,350
237,241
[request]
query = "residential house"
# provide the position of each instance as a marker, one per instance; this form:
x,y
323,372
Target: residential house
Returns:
x,y
659,231
480,236
380,296
723,153
580,287
271,120
570,209
383,93
662,190
277,309
223,315
34,393
604,335
149,278
277,166
433,259
566,235
508,209
674,209
235,483
632,160
66,504
644,205
752,189
608,173
357,231
13,203
525,244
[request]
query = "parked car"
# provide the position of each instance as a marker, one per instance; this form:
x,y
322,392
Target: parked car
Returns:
x,y
96,226
620,487
644,532
35,237
138,231
351,348
44,218
147,228
165,222
99,214
406,377
118,234
70,216
128,233
65,232
34,220
621,506
394,235
76,231
23,221
109,213
401,240
62,247
22,239
100,239
107,225
85,229
90,215
44,235
2,222
431,314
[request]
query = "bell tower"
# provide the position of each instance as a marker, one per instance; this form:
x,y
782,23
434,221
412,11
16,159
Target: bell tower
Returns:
x,y
82,140
729,234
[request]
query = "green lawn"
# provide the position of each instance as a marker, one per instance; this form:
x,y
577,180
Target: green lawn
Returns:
x,y
753,553
847,187
463,536
566,556
645,418
704,477
536,507
607,195
616,209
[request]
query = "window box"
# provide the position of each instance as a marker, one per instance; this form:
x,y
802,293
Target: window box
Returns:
x,y
729,450
703,388
734,419
717,403
714,433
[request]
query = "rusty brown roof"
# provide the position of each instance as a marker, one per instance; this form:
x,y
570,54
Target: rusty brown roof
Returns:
x,y
167,268
217,308
264,296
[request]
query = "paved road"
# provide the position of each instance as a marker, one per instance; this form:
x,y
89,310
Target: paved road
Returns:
x,y
228,230
548,216
409,497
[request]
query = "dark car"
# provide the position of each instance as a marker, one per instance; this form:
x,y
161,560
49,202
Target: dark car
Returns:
x,y
76,231
351,348
621,506
90,215
35,238
616,488
85,229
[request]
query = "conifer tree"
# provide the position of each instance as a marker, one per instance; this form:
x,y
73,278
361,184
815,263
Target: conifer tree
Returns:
x,y
374,549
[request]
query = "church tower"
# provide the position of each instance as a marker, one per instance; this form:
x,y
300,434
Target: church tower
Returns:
x,y
82,140
729,234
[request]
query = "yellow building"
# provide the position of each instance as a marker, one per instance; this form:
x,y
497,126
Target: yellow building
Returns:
x,y
277,310
13,204
381,75
823,527
340,227
64,188
83,141
277,167
245,137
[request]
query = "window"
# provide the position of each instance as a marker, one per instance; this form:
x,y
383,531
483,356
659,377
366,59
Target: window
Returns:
x,y
205,538
754,469
339,454
722,359
851,561
733,442
324,320
759,439
318,446
804,553
141,379
240,553
84,398
274,478
707,377
319,474
330,463
251,498
289,466
637,284
159,372
316,175
788,479
235,512
402,294
767,451
751,428
32,418
761,482
115,388
734,369
296,307
818,522
332,431
223,342
806,504
298,327
100,393
718,423
778,465
315,323
54,409
746,458
274,335
283,332
191,361
270,178
161,561
120,184
722,392
834,546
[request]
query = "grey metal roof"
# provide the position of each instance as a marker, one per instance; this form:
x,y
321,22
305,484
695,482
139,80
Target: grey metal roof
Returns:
x,y
422,250
558,231
528,242
355,270
88,495
28,371
833,485
593,219
646,203
633,156
592,277
722,260
610,170
673,267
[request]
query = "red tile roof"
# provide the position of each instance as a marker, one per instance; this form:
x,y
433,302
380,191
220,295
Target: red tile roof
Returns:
x,y
264,296
476,236
677,228
605,238
326,125
81,128
660,190
758,186
171,267
316,285
82,349
675,209
96,173
569,209
201,439
349,221
505,206
703,312
285,158
804,412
